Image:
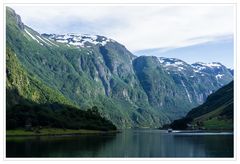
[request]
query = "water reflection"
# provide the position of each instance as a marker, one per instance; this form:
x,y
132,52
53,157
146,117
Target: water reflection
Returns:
x,y
129,143
56,146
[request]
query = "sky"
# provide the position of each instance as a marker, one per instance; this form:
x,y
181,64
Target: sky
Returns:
x,y
200,30
221,50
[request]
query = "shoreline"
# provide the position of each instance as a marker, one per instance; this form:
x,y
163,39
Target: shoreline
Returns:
x,y
72,132
200,132
203,131
56,132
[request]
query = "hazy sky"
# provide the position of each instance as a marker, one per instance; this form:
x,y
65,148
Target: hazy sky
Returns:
x,y
137,27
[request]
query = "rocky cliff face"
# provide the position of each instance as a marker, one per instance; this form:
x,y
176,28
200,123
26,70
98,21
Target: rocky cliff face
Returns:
x,y
94,70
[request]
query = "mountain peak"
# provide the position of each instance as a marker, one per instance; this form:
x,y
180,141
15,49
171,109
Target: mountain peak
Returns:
x,y
15,18
79,40
171,61
173,64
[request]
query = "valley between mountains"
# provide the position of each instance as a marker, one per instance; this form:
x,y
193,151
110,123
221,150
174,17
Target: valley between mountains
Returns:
x,y
84,81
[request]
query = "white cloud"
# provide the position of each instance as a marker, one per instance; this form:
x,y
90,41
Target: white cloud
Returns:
x,y
137,27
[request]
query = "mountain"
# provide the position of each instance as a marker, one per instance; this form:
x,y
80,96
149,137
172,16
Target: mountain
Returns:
x,y
215,75
93,70
30,102
231,71
215,69
216,113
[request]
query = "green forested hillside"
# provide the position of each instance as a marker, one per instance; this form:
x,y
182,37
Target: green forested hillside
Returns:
x,y
216,113
30,102
28,86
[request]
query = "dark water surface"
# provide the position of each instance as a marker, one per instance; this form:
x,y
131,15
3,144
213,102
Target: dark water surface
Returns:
x,y
129,143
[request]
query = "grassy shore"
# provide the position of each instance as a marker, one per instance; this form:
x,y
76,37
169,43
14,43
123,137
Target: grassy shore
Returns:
x,y
54,131
218,124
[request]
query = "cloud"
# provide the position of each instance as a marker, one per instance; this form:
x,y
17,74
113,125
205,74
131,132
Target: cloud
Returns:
x,y
137,27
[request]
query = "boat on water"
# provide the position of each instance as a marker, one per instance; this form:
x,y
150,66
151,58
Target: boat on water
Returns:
x,y
170,130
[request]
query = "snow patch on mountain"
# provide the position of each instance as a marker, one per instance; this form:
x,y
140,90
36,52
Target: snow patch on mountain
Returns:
x,y
31,35
219,76
203,66
43,40
50,42
195,70
173,62
213,64
161,60
79,40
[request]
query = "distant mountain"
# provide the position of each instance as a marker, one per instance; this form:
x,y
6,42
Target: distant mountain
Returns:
x,y
216,69
194,77
215,114
93,70
231,71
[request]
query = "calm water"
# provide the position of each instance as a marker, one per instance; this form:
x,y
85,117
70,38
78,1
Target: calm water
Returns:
x,y
129,143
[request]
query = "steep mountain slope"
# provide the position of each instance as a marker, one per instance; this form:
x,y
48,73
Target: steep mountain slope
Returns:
x,y
30,102
160,87
93,70
215,113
